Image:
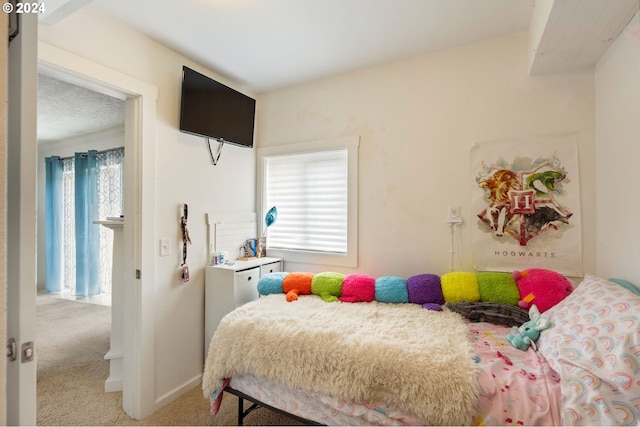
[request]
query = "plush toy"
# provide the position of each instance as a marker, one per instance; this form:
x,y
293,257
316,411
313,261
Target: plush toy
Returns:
x,y
544,288
425,289
460,286
327,285
498,287
391,289
271,283
526,335
295,284
358,288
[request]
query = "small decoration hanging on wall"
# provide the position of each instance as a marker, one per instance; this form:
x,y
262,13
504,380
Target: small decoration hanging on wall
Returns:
x,y
184,268
271,217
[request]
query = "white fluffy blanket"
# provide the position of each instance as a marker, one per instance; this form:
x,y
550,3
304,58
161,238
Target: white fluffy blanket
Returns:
x,y
417,360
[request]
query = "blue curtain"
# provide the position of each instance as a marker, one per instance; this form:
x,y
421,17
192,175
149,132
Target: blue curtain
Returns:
x,y
54,224
87,233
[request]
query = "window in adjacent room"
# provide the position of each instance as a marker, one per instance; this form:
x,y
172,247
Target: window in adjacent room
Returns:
x,y
102,196
314,187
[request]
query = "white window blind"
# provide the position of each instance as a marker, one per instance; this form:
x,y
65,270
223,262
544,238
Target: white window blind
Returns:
x,y
310,191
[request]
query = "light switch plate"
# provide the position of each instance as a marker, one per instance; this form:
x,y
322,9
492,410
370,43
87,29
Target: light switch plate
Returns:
x,y
165,249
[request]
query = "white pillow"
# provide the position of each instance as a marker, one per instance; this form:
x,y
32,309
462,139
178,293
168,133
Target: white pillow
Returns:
x,y
594,345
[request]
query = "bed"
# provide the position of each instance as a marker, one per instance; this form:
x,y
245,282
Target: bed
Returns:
x,y
400,364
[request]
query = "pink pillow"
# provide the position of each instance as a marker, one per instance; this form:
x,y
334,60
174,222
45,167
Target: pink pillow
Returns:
x,y
358,288
544,288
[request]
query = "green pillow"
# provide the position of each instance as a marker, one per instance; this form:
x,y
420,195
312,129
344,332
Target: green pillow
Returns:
x,y
328,285
498,287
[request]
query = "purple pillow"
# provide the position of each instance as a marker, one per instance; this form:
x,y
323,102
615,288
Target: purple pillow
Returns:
x,y
425,288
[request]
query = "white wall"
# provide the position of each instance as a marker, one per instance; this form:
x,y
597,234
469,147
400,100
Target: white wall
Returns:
x,y
102,140
617,88
184,174
418,120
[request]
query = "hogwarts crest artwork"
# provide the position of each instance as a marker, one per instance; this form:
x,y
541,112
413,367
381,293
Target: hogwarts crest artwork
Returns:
x,y
526,205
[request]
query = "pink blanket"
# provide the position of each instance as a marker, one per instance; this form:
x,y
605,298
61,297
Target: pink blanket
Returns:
x,y
516,387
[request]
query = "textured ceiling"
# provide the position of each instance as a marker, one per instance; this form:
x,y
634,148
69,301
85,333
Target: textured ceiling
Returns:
x,y
67,111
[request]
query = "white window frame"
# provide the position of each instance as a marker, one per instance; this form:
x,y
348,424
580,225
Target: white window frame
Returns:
x,y
351,143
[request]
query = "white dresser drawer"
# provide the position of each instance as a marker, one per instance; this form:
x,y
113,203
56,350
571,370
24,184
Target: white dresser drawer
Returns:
x,y
246,286
272,267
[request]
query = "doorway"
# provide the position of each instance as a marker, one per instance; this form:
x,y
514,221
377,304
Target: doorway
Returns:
x,y
138,397
74,119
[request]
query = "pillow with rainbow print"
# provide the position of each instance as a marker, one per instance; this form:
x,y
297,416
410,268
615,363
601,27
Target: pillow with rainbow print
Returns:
x,y
594,344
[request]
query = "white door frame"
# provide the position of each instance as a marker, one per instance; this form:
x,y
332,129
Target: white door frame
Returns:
x,y
4,55
138,394
21,220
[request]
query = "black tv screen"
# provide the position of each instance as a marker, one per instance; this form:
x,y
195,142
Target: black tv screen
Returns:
x,y
212,110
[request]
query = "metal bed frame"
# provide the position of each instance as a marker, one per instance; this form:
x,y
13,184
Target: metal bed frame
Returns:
x,y
257,404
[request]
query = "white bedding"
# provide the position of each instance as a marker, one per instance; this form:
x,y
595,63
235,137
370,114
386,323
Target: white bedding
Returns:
x,y
417,360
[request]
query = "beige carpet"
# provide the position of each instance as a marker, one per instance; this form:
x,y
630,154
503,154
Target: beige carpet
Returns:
x,y
72,339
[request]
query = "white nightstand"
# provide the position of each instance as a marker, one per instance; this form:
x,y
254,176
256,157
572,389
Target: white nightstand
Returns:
x,y
229,286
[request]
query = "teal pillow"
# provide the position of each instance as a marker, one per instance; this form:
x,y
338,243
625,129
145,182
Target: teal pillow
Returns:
x,y
626,285
391,289
271,283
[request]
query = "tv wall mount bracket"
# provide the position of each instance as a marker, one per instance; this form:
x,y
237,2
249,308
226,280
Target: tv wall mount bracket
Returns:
x,y
214,159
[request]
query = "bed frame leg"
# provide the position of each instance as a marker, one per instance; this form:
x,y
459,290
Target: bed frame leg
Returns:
x,y
255,404
240,411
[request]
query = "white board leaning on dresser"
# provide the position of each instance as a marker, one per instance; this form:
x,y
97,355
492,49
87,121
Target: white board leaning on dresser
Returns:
x,y
227,232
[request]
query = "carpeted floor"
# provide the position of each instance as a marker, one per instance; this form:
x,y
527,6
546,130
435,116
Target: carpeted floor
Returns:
x,y
72,339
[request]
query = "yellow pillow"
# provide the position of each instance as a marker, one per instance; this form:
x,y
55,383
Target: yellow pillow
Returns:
x,y
460,286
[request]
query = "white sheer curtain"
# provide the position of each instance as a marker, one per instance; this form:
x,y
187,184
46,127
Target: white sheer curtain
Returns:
x,y
110,185
109,192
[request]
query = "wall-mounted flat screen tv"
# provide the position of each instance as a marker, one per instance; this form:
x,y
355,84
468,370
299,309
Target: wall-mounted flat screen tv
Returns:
x,y
212,110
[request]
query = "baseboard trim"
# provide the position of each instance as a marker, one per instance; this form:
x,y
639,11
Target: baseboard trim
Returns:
x,y
169,397
113,384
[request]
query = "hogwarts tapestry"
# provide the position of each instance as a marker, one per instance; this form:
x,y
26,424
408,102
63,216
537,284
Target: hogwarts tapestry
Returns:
x,y
525,204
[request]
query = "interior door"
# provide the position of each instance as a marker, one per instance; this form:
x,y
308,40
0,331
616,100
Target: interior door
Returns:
x,y
21,222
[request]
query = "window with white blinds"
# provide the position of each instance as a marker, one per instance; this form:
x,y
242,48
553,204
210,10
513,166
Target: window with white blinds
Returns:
x,y
310,193
314,188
